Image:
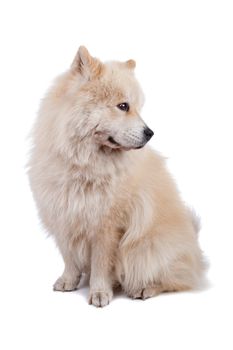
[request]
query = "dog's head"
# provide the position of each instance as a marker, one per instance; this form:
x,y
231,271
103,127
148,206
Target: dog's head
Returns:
x,y
107,101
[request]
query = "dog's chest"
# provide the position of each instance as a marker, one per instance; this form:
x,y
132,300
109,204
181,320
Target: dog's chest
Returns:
x,y
87,203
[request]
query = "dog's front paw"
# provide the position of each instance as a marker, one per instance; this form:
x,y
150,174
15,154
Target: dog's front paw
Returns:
x,y
100,298
65,284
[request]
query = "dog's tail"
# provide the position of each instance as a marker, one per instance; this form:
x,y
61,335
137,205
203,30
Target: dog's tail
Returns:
x,y
196,220
204,261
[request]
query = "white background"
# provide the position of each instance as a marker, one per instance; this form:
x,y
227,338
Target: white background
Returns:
x,y
184,54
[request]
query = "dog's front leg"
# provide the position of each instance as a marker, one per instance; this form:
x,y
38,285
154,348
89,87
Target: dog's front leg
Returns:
x,y
101,280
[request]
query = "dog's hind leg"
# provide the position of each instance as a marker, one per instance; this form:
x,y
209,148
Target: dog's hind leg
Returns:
x,y
148,268
148,292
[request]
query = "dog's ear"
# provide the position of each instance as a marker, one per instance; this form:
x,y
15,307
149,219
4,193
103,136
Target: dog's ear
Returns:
x,y
131,64
89,67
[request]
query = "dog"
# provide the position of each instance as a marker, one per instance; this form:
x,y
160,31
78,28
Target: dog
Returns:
x,y
105,196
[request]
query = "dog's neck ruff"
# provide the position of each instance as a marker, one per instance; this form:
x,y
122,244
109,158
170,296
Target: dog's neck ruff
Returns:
x,y
96,163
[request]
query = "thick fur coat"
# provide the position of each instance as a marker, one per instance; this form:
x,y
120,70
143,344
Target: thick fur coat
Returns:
x,y
109,202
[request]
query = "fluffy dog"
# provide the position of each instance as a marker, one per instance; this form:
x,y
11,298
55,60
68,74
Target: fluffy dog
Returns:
x,y
109,202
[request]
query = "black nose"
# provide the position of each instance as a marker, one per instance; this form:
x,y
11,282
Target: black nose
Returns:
x,y
148,133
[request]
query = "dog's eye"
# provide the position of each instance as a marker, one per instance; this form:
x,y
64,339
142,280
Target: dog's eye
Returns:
x,y
123,106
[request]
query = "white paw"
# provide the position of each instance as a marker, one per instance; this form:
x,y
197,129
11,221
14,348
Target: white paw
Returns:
x,y
100,298
64,284
146,293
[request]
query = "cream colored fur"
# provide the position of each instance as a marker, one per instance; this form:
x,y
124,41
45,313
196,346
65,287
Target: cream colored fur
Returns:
x,y
113,210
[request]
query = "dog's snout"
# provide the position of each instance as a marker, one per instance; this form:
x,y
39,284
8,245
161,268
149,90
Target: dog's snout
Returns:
x,y
148,133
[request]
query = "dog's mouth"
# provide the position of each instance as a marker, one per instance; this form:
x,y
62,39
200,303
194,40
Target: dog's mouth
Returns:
x,y
111,140
118,145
